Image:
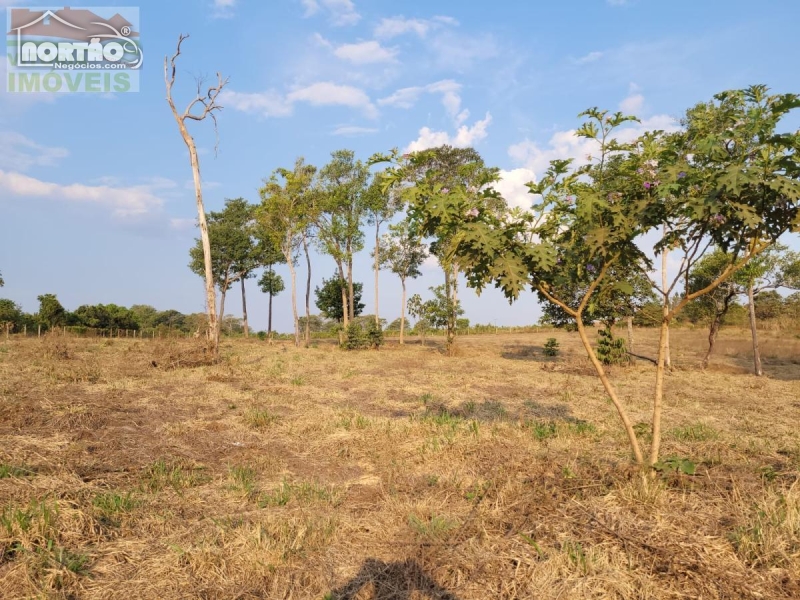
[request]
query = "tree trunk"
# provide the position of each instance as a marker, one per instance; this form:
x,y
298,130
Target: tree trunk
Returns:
x,y
449,294
661,364
403,311
757,369
351,299
244,310
345,311
293,277
221,319
612,393
630,339
269,321
664,283
308,293
377,268
712,339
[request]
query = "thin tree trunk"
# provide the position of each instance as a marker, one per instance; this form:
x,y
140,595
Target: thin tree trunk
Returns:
x,y
612,393
308,293
757,369
350,289
659,395
630,339
664,283
712,339
244,310
222,294
293,277
403,312
449,293
377,268
343,279
269,321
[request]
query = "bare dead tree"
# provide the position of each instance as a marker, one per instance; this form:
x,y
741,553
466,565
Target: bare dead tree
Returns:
x,y
194,112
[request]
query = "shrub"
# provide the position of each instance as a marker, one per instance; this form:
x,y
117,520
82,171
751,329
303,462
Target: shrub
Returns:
x,y
611,350
551,347
354,337
374,335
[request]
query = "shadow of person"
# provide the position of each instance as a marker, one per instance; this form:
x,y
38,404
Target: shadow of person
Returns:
x,y
391,581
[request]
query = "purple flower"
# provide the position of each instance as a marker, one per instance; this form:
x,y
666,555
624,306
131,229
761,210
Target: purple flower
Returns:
x,y
647,185
472,212
682,174
640,171
445,190
718,219
590,268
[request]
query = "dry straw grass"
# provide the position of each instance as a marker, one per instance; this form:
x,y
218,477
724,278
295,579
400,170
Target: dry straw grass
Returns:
x,y
399,474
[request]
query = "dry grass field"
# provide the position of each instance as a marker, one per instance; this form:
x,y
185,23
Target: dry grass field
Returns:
x,y
398,474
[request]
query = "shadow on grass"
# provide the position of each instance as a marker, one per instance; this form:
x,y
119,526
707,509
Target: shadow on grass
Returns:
x,y
401,580
527,353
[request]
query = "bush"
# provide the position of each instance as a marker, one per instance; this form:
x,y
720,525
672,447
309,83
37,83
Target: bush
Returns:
x,y
355,338
374,335
551,347
611,350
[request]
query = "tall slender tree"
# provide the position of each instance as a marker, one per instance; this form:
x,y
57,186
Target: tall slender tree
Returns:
x,y
402,252
284,216
382,203
342,208
209,108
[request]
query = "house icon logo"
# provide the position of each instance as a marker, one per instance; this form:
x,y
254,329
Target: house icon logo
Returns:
x,y
73,49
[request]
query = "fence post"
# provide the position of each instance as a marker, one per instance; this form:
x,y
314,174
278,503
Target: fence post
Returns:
x,y
40,331
25,330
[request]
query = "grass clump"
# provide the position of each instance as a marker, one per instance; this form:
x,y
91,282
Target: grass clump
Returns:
x,y
434,528
162,474
696,432
260,418
7,470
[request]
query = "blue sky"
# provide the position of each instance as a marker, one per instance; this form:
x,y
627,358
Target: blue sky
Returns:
x,y
95,198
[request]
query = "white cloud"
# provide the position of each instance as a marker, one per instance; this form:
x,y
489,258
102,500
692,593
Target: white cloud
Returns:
x,y
223,9
363,53
632,104
589,58
396,26
449,90
512,186
340,12
465,136
21,153
267,104
565,144
353,130
124,202
274,104
327,94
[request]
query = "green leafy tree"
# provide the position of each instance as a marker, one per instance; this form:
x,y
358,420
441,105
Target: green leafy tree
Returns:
x,y
713,306
105,316
285,214
402,252
11,316
436,313
51,313
330,300
271,284
233,255
382,203
727,179
775,268
342,204
2,283
454,179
